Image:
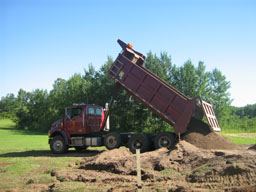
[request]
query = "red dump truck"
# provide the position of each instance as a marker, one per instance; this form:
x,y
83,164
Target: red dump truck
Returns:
x,y
86,125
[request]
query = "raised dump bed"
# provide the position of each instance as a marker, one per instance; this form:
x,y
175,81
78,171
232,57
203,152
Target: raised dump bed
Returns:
x,y
162,98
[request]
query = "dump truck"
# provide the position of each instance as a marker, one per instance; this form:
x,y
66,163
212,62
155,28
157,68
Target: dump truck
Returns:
x,y
87,125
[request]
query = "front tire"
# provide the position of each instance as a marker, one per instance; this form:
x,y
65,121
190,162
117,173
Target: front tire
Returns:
x,y
58,145
112,140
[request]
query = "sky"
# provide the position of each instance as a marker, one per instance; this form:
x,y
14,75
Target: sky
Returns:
x,y
43,40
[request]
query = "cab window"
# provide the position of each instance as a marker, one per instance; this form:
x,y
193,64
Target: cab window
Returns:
x,y
98,111
91,111
75,112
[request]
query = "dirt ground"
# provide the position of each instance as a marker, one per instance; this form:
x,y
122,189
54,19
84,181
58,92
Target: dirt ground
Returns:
x,y
184,168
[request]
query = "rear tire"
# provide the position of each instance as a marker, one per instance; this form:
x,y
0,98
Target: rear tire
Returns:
x,y
58,145
164,139
112,140
139,141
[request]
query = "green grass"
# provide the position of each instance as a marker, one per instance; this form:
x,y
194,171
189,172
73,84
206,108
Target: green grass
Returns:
x,y
6,123
26,160
241,140
171,173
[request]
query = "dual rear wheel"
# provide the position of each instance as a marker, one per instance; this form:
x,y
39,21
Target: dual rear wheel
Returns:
x,y
164,139
144,142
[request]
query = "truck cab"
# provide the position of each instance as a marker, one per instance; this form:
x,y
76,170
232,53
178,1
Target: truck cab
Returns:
x,y
81,121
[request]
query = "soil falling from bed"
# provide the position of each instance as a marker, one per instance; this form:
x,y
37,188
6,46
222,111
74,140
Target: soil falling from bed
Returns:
x,y
199,134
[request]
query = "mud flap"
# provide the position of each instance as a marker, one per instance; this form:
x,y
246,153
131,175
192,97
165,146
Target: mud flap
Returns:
x,y
210,115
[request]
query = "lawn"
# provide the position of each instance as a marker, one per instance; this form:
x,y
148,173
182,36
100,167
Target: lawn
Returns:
x,y
241,138
26,161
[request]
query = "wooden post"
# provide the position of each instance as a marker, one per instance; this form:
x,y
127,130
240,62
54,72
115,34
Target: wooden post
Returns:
x,y
139,184
179,137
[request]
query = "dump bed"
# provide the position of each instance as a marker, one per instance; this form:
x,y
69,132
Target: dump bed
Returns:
x,y
166,101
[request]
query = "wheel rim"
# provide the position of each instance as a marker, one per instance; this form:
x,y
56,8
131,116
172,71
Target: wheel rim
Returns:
x,y
58,145
137,144
111,141
164,141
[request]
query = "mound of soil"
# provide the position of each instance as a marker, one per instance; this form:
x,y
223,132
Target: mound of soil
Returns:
x,y
199,134
185,165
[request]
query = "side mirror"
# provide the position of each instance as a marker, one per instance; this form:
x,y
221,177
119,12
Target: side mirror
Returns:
x,y
106,106
66,114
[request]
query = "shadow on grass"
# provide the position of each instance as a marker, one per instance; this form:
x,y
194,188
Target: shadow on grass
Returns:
x,y
47,153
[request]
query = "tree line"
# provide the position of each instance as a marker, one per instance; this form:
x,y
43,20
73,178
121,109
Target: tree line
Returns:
x,y
38,109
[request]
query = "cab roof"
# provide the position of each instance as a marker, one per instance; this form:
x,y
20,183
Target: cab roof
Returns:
x,y
83,105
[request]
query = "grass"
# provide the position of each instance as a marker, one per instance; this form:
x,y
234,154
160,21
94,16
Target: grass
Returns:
x,y
6,123
241,140
17,140
170,172
26,160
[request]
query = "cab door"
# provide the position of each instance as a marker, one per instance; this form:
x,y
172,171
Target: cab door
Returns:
x,y
94,119
75,121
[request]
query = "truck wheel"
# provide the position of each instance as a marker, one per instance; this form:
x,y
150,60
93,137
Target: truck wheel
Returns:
x,y
164,139
138,141
58,145
112,140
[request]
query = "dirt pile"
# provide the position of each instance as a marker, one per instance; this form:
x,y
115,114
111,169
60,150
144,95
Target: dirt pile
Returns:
x,y
166,170
199,134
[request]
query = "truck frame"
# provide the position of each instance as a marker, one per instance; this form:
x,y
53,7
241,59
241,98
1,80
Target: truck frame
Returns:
x,y
87,125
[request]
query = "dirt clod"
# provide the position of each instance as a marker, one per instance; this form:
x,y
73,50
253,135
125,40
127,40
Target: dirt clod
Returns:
x,y
30,181
253,147
53,173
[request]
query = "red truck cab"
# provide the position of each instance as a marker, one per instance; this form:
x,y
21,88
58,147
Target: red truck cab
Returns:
x,y
79,120
83,119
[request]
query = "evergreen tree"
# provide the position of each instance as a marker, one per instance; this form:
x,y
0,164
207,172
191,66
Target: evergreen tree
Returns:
x,y
203,81
219,95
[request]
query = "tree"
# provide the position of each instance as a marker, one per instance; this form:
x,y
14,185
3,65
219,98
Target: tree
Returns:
x,y
22,112
203,88
189,79
219,96
159,66
8,105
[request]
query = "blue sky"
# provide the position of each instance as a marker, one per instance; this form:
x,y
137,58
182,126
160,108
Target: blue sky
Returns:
x,y
43,40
